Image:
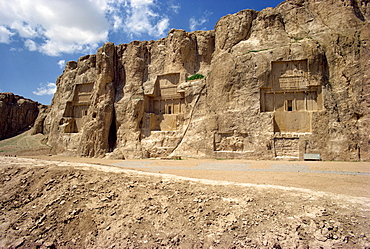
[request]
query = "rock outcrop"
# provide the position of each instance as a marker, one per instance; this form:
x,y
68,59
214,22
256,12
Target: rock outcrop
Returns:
x,y
17,114
279,83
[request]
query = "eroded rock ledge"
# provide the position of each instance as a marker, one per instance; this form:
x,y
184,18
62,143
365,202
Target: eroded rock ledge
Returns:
x,y
18,114
279,83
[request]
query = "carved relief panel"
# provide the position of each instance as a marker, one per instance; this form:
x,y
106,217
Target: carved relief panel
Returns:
x,y
230,141
289,74
286,147
291,96
164,104
166,85
76,109
82,93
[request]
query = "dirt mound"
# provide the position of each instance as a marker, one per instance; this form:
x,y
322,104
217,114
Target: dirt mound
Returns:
x,y
57,204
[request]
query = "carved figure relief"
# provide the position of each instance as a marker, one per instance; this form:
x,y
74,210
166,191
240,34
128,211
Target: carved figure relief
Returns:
x,y
289,74
286,147
231,141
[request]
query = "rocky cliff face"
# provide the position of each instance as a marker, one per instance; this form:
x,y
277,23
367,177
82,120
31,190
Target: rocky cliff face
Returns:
x,y
280,83
18,114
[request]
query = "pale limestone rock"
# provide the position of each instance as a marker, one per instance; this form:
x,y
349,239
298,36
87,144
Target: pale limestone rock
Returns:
x,y
279,83
232,29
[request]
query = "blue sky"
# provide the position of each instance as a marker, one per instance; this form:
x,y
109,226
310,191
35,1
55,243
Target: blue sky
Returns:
x,y
37,37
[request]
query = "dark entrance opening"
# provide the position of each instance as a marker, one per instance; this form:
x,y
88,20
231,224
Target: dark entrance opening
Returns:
x,y
112,138
289,105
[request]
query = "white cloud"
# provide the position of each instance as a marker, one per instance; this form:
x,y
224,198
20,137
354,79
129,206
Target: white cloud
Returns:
x,y
62,63
46,89
55,27
24,29
175,8
117,22
31,45
197,24
5,35
70,26
142,18
16,49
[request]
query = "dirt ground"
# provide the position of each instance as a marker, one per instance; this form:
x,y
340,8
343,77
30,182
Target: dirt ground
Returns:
x,y
64,202
323,176
73,204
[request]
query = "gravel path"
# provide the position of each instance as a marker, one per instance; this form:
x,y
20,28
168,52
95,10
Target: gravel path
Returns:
x,y
148,166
